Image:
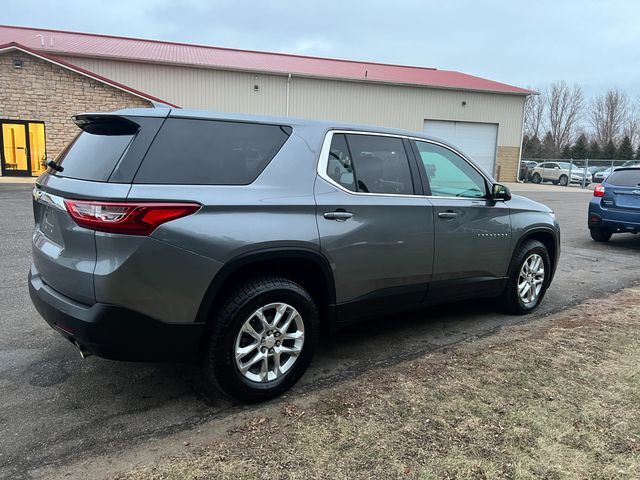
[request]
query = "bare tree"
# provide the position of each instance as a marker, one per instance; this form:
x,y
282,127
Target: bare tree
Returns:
x,y
608,114
631,127
534,115
564,106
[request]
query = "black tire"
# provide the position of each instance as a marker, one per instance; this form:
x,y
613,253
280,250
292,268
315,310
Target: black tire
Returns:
x,y
536,178
511,301
219,363
600,234
563,181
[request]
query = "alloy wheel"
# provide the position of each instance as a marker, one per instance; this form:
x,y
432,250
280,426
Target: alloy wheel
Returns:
x,y
531,279
269,342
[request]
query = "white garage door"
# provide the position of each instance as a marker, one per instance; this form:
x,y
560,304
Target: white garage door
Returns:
x,y
476,140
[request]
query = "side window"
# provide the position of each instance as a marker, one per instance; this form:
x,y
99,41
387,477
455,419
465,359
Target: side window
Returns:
x,y
210,152
449,174
339,167
380,164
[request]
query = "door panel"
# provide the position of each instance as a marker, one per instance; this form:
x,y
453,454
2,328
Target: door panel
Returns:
x,y
383,253
472,247
15,159
37,148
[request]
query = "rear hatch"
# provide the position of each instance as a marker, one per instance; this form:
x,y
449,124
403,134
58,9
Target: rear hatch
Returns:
x,y
622,190
97,165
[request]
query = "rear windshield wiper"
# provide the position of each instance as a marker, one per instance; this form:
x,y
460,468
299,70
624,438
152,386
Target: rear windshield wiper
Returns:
x,y
53,165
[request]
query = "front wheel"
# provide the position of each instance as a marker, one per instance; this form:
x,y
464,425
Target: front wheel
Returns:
x,y
262,340
563,181
529,278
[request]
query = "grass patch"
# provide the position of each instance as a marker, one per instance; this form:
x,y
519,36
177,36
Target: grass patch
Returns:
x,y
558,398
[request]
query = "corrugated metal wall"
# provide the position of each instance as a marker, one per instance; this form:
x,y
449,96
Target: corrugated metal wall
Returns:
x,y
369,103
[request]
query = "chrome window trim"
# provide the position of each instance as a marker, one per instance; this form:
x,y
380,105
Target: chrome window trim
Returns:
x,y
324,161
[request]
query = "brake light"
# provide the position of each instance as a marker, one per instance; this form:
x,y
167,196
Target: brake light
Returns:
x,y
598,191
127,218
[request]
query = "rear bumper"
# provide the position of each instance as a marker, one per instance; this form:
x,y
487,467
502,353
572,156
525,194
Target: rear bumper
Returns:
x,y
614,220
114,332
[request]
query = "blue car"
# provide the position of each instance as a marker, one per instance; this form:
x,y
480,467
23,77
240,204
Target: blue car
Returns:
x,y
615,205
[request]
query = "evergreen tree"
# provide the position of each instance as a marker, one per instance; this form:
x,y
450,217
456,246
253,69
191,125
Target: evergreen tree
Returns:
x,y
594,151
609,152
638,153
625,152
533,148
566,152
580,148
548,147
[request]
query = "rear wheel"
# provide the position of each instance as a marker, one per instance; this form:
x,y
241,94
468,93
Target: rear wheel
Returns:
x,y
563,180
536,178
528,278
262,340
600,234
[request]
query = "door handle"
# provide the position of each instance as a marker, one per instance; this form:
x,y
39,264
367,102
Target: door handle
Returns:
x,y
340,216
448,215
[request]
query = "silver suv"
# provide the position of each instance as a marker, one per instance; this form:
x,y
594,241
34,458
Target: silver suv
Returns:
x,y
166,235
561,173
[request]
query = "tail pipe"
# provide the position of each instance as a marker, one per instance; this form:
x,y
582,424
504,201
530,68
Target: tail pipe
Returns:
x,y
84,353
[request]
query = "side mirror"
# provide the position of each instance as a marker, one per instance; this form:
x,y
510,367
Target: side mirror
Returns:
x,y
556,168
500,192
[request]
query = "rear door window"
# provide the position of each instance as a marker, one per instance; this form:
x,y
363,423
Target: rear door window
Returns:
x,y
625,178
380,164
92,156
339,166
210,152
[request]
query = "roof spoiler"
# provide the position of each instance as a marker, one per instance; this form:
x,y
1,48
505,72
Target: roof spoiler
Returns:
x,y
106,124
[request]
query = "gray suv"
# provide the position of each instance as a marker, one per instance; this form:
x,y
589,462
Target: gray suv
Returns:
x,y
168,235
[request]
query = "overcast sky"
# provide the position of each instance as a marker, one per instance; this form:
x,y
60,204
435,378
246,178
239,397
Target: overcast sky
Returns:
x,y
595,43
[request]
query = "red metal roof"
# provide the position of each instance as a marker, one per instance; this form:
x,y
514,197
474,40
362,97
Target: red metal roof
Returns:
x,y
57,42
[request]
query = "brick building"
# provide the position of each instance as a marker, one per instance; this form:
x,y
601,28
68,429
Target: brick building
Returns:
x,y
46,76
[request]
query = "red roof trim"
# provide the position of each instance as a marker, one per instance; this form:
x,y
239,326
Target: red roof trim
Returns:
x,y
84,71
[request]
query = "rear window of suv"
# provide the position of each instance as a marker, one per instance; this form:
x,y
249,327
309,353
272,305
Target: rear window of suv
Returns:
x,y
625,178
211,152
92,156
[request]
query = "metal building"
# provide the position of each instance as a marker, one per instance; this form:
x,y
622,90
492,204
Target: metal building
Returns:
x,y
483,117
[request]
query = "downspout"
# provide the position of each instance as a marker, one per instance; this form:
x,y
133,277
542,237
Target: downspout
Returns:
x,y
288,90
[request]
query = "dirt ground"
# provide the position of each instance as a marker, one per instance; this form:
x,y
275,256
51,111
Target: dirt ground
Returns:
x,y
555,399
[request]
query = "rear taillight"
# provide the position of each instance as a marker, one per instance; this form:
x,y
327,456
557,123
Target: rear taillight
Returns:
x,y
598,191
127,218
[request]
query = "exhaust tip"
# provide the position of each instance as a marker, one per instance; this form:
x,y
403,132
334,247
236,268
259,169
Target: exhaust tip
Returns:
x,y
84,353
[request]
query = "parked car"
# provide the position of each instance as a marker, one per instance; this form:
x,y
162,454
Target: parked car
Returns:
x,y
615,205
594,169
173,235
560,173
603,174
631,163
526,169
